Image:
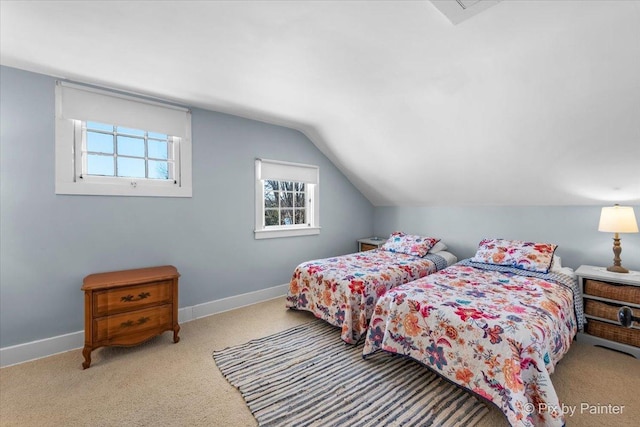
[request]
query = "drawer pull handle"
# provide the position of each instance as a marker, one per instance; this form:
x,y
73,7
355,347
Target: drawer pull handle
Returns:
x,y
131,298
626,317
130,323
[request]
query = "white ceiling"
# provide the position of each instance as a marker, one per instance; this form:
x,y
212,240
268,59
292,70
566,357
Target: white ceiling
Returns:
x,y
526,103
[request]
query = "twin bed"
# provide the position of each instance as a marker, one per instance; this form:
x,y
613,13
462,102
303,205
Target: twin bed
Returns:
x,y
343,290
495,324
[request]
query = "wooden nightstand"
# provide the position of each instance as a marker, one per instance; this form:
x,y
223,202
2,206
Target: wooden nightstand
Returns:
x,y
370,243
603,294
125,308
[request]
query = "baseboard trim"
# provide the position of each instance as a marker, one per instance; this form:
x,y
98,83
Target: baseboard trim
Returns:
x,y
236,301
33,350
46,347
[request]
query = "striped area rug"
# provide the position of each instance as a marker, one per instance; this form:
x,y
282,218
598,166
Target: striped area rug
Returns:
x,y
307,376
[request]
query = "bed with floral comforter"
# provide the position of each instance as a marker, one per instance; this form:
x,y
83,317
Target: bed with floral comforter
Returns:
x,y
343,290
494,330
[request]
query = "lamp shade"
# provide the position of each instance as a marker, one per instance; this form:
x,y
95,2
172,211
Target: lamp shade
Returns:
x,y
618,219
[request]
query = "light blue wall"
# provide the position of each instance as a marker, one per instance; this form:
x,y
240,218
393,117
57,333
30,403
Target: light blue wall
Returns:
x,y
573,228
49,242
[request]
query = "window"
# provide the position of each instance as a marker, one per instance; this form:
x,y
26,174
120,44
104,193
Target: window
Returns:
x,y
286,199
285,203
116,151
112,144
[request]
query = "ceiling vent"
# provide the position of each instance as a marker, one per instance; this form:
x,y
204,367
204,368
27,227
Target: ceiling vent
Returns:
x,y
459,10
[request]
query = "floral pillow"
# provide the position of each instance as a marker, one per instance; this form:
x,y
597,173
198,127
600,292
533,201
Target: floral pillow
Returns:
x,y
528,256
409,244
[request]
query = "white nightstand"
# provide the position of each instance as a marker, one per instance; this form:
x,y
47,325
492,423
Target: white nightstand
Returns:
x,y
370,243
603,294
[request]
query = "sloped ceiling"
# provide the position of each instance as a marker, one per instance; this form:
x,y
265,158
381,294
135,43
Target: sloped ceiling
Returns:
x,y
526,103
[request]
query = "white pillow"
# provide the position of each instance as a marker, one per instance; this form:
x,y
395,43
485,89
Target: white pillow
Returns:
x,y
437,248
556,263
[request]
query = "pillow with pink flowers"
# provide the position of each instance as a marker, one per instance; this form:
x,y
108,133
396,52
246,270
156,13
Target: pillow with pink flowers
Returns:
x,y
516,253
409,244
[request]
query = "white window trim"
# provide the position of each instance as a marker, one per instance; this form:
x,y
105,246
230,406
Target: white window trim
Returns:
x,y
260,232
69,134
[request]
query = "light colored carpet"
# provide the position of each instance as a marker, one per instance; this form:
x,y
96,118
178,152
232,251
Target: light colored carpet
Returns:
x,y
162,383
307,376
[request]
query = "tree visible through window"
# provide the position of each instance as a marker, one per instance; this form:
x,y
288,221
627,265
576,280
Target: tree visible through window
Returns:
x,y
285,203
287,196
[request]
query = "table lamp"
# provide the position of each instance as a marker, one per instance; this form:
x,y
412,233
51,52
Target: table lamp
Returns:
x,y
617,219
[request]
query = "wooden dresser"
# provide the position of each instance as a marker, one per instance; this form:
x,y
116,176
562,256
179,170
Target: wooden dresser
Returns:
x,y
603,294
125,308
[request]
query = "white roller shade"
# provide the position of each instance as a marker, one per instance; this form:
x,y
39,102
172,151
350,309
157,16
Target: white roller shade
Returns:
x,y
83,103
285,171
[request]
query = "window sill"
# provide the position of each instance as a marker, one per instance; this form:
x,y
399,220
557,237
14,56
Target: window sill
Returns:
x,y
91,189
271,234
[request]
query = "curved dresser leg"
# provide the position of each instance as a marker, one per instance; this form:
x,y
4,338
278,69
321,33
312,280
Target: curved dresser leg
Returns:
x,y
176,329
86,352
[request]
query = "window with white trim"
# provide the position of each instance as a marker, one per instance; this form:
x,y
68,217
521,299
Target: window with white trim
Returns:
x,y
113,144
286,199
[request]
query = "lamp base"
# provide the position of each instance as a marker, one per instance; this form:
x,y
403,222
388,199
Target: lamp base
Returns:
x,y
617,263
617,269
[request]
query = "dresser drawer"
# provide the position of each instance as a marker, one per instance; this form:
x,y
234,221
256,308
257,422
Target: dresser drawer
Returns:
x,y
617,333
131,298
623,293
601,309
131,323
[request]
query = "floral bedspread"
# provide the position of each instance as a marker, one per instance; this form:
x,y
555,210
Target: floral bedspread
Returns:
x,y
343,290
498,334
